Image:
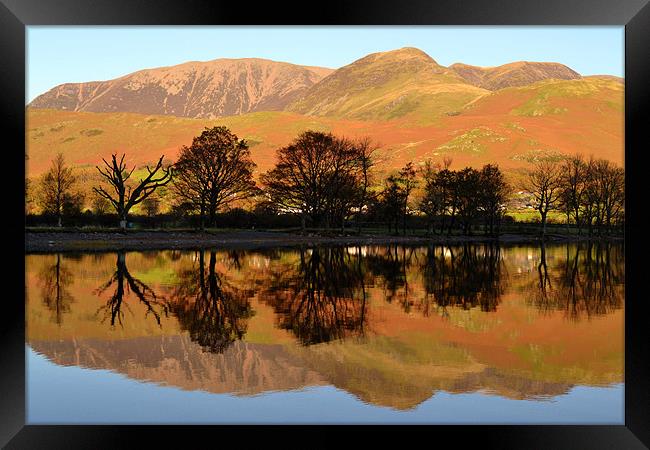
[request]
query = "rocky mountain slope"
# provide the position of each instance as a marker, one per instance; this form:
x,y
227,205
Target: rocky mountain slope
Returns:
x,y
221,87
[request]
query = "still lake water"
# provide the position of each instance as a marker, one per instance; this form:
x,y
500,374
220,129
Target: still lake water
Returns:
x,y
372,334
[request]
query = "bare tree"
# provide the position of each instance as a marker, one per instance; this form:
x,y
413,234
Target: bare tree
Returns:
x,y
544,182
100,205
125,196
151,206
214,171
574,186
56,188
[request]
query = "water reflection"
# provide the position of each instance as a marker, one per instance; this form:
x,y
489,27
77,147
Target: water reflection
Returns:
x,y
390,324
113,307
589,281
56,279
213,311
321,298
468,276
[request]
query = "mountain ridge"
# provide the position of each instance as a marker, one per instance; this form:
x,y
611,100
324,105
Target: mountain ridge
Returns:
x,y
405,82
205,89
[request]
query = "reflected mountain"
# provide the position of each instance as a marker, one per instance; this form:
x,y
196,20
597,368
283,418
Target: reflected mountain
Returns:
x,y
242,368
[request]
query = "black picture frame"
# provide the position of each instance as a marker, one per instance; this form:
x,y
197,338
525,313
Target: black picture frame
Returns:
x,y
15,15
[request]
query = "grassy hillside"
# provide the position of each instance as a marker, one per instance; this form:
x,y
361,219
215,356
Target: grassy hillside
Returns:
x,y
511,127
389,85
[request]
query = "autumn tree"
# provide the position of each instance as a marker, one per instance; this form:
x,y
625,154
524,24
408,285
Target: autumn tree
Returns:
x,y
365,154
493,195
56,189
100,205
544,182
605,194
391,201
574,186
320,177
151,206
124,196
408,180
432,203
213,172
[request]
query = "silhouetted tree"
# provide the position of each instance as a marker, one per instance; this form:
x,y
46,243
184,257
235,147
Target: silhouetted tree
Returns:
x,y
493,194
391,202
213,172
544,182
320,177
125,196
574,185
56,189
214,312
151,206
408,180
468,197
432,203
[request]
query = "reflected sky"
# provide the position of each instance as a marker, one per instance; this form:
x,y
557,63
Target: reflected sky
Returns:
x,y
103,397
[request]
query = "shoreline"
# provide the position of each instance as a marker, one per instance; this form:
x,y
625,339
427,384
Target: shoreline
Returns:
x,y
71,241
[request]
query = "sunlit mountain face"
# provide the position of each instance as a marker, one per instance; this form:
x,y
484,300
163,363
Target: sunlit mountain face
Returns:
x,y
390,326
414,108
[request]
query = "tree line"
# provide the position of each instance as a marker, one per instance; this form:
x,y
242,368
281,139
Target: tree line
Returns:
x,y
326,181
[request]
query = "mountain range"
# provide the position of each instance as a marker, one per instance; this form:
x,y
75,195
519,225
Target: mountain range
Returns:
x,y
412,106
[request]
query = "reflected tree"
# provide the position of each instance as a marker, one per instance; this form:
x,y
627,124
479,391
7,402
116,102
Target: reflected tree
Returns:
x,y
589,281
468,276
213,311
125,284
324,298
56,279
391,265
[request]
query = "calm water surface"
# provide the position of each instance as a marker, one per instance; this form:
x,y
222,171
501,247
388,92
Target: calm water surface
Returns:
x,y
370,334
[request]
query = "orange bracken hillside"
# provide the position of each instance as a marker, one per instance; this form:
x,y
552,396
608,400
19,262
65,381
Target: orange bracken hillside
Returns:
x,y
404,100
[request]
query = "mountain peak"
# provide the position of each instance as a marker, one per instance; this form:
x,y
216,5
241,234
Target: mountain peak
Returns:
x,y
402,54
518,73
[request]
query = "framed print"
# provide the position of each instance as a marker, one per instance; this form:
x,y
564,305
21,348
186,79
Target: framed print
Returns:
x,y
381,214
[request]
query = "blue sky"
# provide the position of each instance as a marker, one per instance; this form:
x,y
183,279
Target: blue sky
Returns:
x,y
60,54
